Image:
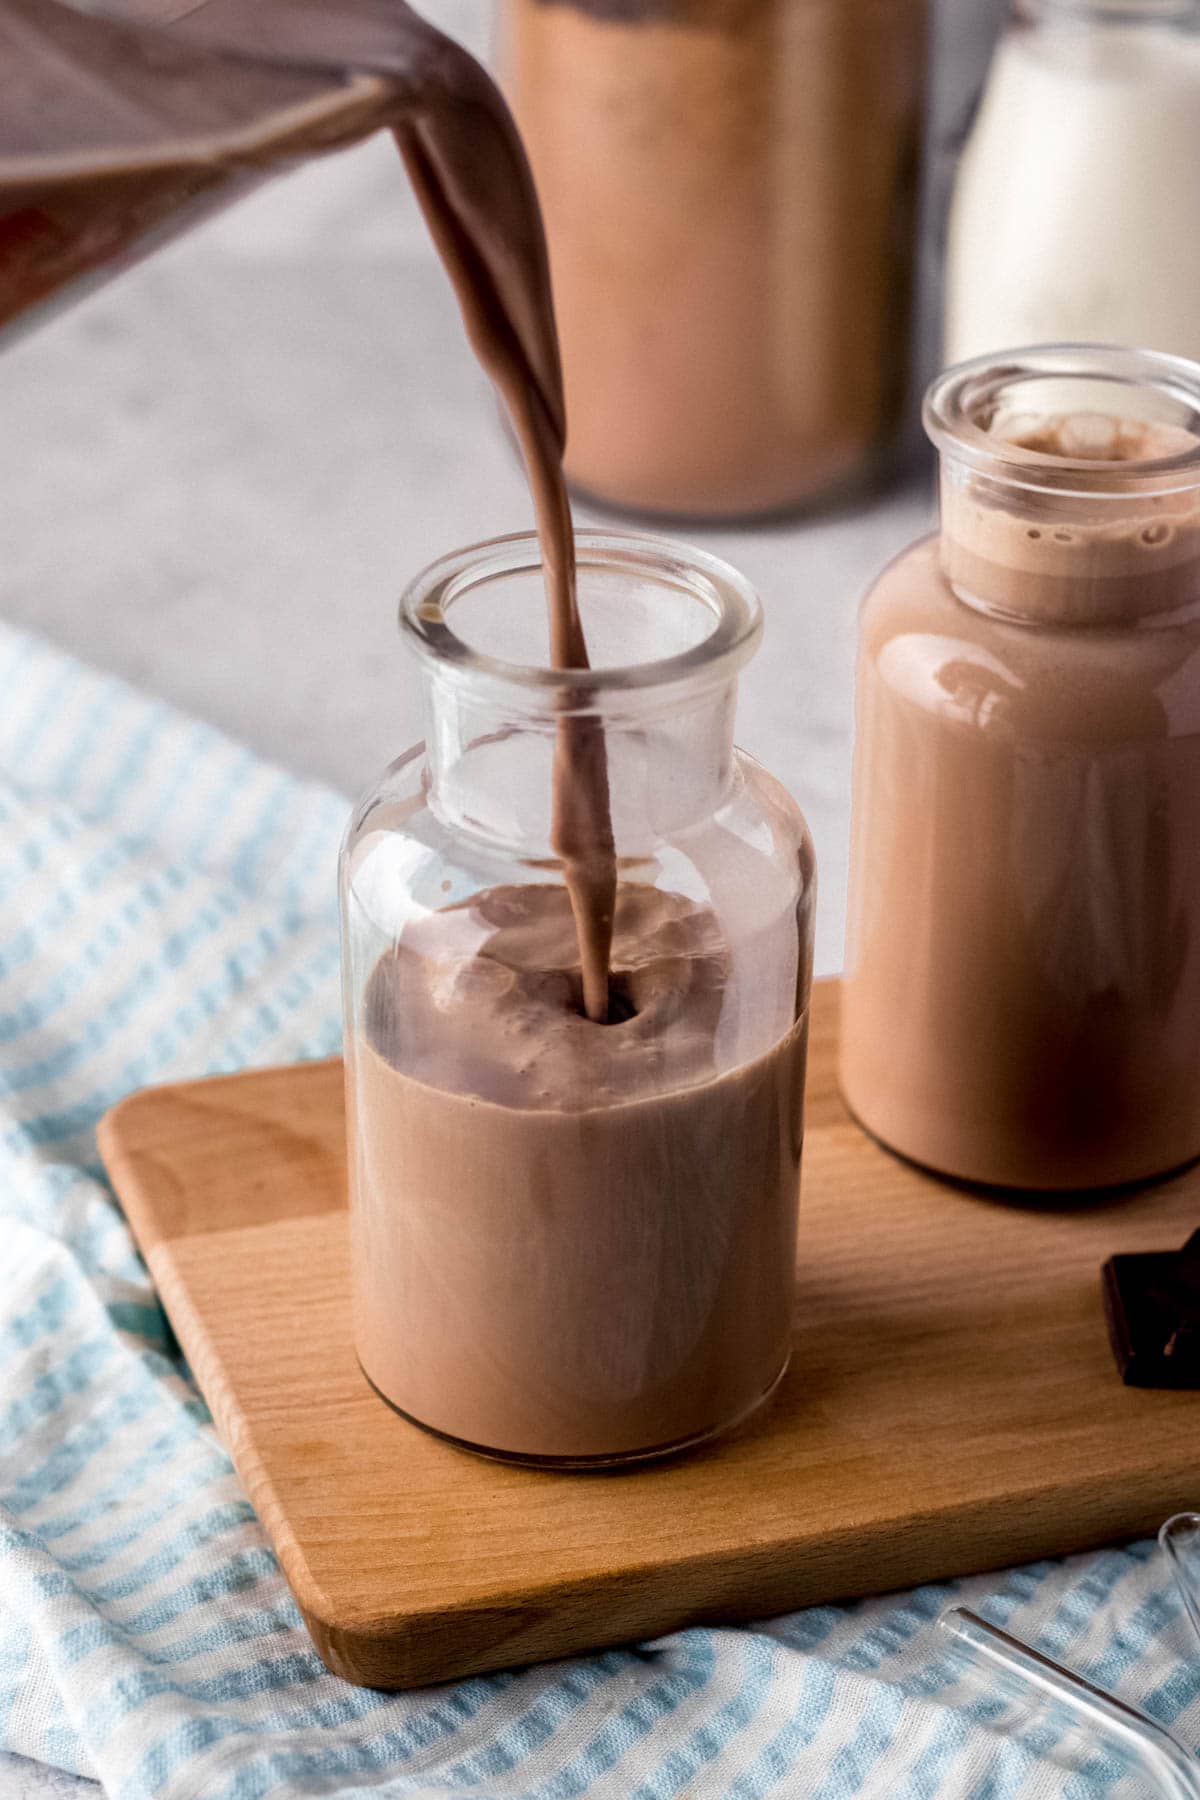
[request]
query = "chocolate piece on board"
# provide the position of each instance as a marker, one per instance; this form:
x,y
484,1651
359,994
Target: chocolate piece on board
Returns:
x,y
1152,1303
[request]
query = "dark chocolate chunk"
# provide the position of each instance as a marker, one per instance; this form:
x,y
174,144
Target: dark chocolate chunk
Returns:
x,y
1152,1303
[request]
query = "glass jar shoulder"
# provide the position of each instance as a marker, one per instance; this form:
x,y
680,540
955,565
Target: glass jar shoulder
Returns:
x,y
754,864
1023,682
760,812
747,864
400,859
398,848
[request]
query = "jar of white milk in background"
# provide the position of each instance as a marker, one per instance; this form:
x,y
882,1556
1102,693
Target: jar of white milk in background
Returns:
x,y
1076,209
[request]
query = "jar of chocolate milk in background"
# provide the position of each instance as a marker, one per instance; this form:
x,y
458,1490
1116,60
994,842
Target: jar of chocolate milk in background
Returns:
x,y
573,1241
1022,1000
729,190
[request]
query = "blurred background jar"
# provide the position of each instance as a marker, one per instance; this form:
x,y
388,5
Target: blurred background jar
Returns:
x,y
1076,210
730,195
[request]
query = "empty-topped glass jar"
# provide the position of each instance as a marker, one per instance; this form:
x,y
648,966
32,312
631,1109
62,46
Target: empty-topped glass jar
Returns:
x,y
574,1241
1022,1000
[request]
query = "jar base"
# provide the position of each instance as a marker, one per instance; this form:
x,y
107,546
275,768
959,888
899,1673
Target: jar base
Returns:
x,y
879,470
611,1460
1029,1194
895,458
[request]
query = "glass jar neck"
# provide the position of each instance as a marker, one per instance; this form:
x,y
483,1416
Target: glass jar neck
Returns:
x,y
667,630
1070,485
493,768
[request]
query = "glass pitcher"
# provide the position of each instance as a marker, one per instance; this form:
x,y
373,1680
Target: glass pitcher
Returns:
x,y
117,135
126,123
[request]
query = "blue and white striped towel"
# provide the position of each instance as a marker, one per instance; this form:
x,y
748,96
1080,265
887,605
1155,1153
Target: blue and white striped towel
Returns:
x,y
166,908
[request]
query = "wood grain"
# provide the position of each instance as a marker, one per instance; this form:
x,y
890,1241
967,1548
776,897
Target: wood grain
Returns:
x,y
952,1404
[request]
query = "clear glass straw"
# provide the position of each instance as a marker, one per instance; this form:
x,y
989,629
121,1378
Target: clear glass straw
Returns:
x,y
1020,1673
1180,1540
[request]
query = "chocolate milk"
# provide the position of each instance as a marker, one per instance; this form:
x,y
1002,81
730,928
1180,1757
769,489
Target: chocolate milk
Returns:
x,y
1022,1003
571,1240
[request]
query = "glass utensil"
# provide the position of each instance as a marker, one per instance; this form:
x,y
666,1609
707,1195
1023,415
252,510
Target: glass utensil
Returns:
x,y
1179,1538
1068,1706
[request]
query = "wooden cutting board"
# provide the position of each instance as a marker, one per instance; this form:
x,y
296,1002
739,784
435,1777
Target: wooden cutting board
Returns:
x,y
952,1404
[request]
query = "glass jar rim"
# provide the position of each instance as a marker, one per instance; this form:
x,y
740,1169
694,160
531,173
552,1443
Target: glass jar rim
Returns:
x,y
718,655
957,400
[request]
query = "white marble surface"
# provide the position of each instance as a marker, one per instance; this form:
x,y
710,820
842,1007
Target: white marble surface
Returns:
x,y
218,472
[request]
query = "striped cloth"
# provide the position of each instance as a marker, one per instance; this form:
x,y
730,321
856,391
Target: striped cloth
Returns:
x,y
166,909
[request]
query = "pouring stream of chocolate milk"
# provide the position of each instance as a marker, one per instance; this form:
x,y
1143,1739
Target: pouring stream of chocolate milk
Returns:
x,y
472,179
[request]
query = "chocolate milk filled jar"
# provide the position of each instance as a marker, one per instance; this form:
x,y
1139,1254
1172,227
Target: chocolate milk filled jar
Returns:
x,y
1022,1003
573,1237
729,192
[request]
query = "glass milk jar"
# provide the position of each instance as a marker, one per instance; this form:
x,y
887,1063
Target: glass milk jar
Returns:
x,y
574,1241
1076,210
1022,1002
